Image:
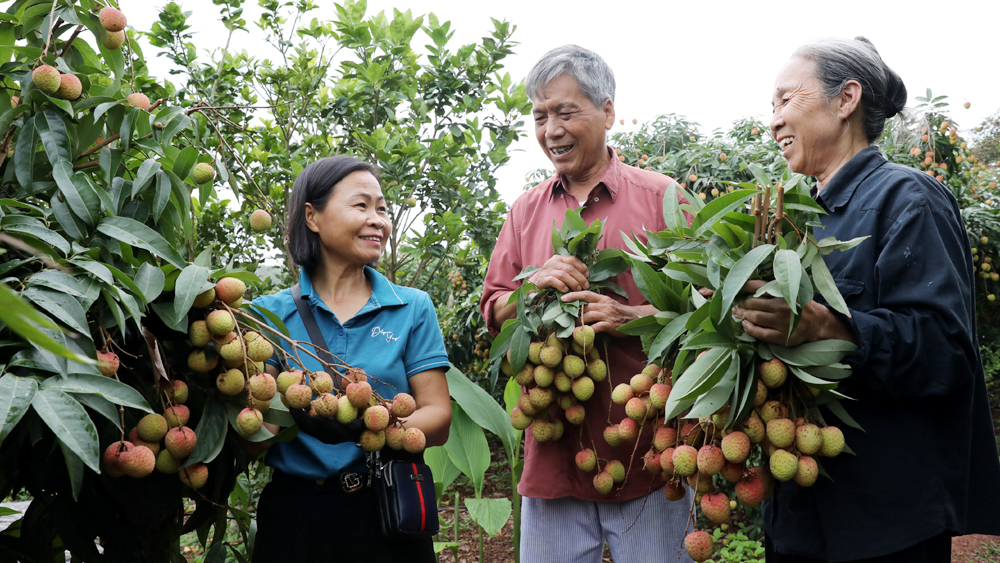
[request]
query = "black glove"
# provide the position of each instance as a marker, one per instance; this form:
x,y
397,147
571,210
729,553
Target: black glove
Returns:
x,y
328,430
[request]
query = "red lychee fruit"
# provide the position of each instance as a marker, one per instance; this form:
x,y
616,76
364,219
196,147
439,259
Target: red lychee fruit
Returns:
x,y
622,394
611,435
180,441
699,544
139,100
603,482
658,394
414,440
518,419
732,472
664,437
394,437
112,458
750,490
715,507
194,475
376,418
298,396
326,405
674,490
636,409
177,415
204,299
651,462
808,471
641,383
667,463
403,405
138,462
628,430
736,446
286,379
576,414
583,388
260,221
231,382
113,40
263,386
710,460
586,460
70,87
107,363
228,290
112,19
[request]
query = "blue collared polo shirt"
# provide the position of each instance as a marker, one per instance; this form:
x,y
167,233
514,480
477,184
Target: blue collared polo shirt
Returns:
x,y
394,336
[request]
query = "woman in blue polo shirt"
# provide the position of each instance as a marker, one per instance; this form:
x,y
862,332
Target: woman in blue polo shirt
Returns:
x,y
338,224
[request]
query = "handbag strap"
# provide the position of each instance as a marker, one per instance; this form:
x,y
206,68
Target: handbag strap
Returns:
x,y
315,335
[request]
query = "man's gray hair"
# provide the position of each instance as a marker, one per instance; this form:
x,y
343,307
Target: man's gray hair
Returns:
x,y
838,60
597,82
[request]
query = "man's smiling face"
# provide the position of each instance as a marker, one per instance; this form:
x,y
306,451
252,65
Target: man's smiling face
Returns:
x,y
571,129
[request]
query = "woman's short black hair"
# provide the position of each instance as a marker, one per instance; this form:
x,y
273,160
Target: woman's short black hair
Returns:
x,y
315,185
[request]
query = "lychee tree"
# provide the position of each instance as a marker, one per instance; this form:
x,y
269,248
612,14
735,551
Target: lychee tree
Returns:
x,y
103,421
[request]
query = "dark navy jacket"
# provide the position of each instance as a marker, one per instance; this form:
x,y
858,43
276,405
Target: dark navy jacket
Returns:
x,y
927,462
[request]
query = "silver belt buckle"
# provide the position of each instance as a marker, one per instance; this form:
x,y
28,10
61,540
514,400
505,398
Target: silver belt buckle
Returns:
x,y
351,482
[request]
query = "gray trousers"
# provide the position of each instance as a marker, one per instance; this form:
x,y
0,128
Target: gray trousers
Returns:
x,y
641,530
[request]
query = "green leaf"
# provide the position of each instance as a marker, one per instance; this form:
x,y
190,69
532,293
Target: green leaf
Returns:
x,y
820,353
827,287
742,271
642,325
829,244
162,197
838,410
185,161
101,406
275,320
70,423
673,217
468,448
490,513
55,139
16,394
443,469
61,306
481,407
653,288
211,432
809,379
24,154
667,336
717,396
59,281
190,283
149,280
519,343
23,319
147,171
109,388
718,208
788,273
134,233
19,224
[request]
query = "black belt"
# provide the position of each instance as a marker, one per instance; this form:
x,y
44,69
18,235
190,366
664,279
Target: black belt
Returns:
x,y
344,482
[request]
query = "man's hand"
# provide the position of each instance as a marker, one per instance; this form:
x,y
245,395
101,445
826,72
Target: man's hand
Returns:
x,y
605,314
562,273
328,430
768,319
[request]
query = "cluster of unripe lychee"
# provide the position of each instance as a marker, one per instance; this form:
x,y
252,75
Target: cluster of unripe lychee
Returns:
x,y
458,282
160,442
789,448
383,419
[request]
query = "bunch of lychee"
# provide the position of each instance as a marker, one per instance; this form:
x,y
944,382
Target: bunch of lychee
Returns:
x,y
113,22
384,420
160,442
48,79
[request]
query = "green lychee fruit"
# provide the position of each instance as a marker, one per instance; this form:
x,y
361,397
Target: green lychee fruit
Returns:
x,y
137,462
107,363
808,439
773,373
260,221
685,460
576,414
113,40
583,388
750,490
133,436
403,405
783,465
715,507
664,437
781,432
518,419
204,299
260,349
611,435
230,348
194,475
228,290
321,382
394,437
180,441
298,396
616,469
710,460
755,429
414,441
597,369
166,463
249,421
604,482
562,382
652,370
699,546
636,409
177,415
542,431
641,383
199,334
552,356
263,387
736,446
505,367
534,352
761,396
833,441
152,427
586,460
139,100
177,392
346,412
808,471
701,484
220,322
543,375
112,19
772,409
583,336
46,79
622,393
70,87
372,441
541,397
376,418
658,394
203,173
526,377
326,405
288,378
230,382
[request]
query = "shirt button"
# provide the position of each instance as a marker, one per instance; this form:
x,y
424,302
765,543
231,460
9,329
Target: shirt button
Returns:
x,y
561,196
597,199
340,332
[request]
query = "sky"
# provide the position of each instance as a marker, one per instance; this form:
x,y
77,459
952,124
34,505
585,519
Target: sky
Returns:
x,y
712,61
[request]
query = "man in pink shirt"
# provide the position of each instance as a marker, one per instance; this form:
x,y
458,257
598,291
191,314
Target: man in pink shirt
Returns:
x,y
563,517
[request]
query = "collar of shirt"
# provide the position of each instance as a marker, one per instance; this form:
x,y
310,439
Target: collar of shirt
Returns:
x,y
840,189
383,295
610,179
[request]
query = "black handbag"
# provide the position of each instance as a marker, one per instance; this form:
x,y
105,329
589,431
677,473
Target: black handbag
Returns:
x,y
404,485
404,488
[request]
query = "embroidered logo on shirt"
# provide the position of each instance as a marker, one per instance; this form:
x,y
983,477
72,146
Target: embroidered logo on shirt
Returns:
x,y
378,332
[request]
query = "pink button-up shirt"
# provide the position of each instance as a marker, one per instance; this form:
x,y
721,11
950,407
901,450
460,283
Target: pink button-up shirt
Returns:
x,y
629,201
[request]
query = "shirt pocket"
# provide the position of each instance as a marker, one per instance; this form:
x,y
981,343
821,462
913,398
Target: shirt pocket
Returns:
x,y
853,292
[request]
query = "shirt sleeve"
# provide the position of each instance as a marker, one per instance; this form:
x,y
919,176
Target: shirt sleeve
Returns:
x,y
505,265
918,341
424,345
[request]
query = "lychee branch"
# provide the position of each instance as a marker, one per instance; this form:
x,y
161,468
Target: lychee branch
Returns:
x,y
72,38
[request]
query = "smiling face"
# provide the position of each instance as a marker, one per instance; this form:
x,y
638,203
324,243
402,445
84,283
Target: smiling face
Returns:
x,y
804,121
571,129
354,225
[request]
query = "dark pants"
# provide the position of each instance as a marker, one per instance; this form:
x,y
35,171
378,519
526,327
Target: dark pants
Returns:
x,y
934,550
298,520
